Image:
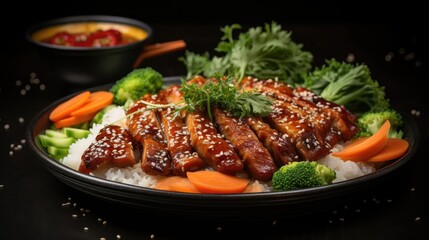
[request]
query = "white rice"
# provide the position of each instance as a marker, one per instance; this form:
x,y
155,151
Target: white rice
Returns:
x,y
346,170
131,175
134,175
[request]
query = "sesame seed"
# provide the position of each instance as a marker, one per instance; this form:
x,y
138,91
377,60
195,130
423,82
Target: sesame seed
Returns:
x,y
6,126
412,189
42,87
102,238
18,82
104,222
65,204
417,219
86,229
23,92
21,120
1,186
118,236
74,216
152,236
350,57
219,228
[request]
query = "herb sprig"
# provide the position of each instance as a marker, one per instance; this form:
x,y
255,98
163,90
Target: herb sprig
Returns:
x,y
225,94
222,93
261,52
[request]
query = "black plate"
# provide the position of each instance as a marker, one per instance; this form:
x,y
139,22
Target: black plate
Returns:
x,y
206,206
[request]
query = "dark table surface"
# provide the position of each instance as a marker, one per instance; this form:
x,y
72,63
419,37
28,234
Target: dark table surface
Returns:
x,y
31,199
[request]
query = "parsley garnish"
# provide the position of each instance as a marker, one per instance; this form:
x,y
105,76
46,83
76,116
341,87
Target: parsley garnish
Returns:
x,y
225,94
261,52
221,93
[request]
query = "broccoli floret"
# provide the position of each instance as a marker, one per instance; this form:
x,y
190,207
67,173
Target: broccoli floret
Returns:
x,y
370,122
136,84
304,174
348,85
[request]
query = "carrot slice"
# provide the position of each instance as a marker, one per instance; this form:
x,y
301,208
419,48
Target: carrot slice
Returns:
x,y
97,101
253,188
176,184
367,148
354,142
64,109
71,121
216,182
394,148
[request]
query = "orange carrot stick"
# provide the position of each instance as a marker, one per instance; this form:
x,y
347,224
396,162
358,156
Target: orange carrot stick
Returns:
x,y
216,182
394,148
97,101
71,121
176,184
367,148
64,109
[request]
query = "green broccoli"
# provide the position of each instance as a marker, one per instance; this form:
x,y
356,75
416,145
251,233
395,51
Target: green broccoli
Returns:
x,y
348,85
370,122
304,174
136,84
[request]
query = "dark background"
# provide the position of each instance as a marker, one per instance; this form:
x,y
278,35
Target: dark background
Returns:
x,y
396,208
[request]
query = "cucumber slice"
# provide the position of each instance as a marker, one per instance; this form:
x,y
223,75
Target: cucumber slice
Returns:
x,y
98,118
56,151
76,132
54,133
56,142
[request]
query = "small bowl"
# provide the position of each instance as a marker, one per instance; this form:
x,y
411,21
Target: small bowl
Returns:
x,y
91,66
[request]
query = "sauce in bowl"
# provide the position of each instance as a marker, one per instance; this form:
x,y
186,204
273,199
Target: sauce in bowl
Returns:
x,y
90,34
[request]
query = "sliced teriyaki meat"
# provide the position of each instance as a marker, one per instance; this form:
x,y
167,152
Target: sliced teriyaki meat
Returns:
x,y
114,145
255,156
332,121
276,143
344,120
182,155
210,145
205,139
144,127
307,143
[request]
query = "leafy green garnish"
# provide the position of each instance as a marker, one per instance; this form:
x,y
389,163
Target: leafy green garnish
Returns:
x,y
220,93
260,53
348,85
225,94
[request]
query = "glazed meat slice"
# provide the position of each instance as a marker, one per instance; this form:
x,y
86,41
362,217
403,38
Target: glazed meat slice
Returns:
x,y
205,139
306,141
333,122
255,156
280,149
344,122
210,145
145,128
113,144
182,155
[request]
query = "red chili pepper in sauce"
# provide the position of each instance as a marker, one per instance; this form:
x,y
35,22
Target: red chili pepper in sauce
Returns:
x,y
63,38
101,38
